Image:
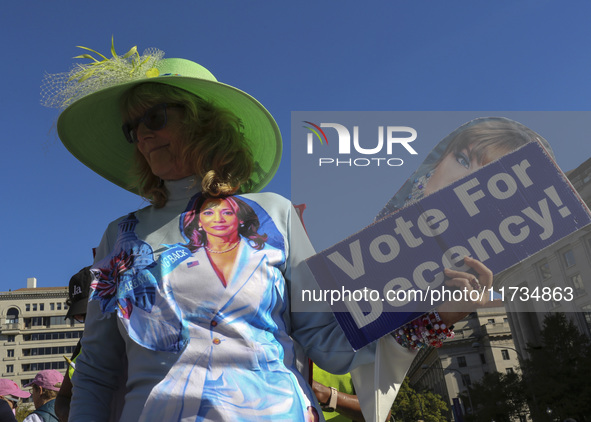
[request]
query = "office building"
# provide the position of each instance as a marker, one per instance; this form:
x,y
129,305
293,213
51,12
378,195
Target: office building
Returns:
x,y
34,333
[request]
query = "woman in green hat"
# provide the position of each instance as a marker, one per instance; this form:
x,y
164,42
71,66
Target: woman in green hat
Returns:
x,y
200,327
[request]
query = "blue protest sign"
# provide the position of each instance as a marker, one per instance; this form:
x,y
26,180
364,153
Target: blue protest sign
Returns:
x,y
392,271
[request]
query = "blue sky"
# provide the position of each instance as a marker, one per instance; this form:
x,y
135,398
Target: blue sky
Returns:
x,y
291,56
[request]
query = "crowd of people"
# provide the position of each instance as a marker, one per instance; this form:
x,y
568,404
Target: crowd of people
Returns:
x,y
44,390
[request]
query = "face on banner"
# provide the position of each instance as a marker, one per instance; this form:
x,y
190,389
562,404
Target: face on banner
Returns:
x,y
465,150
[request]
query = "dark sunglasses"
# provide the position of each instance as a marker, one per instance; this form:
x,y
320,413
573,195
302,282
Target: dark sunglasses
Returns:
x,y
154,118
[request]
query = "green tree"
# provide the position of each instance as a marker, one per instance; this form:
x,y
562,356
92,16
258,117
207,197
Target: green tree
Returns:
x,y
497,396
559,371
411,405
22,412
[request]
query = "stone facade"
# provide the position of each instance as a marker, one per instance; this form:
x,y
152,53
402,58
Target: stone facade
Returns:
x,y
34,334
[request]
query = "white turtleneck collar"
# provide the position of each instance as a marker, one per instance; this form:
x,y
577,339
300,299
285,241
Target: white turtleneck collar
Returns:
x,y
183,188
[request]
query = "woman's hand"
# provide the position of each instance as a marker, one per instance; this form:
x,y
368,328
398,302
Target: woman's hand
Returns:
x,y
453,311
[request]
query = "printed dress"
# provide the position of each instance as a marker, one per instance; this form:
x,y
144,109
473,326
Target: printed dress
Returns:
x,y
196,350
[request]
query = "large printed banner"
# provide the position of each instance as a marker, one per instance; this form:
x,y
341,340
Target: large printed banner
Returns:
x,y
392,271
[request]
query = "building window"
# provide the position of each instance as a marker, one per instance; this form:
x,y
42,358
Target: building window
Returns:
x,y
40,351
36,367
28,307
34,307
544,269
505,354
466,381
461,361
482,359
10,339
10,353
587,314
59,306
53,336
42,306
52,306
37,322
10,369
12,316
569,258
58,320
509,371
576,282
491,321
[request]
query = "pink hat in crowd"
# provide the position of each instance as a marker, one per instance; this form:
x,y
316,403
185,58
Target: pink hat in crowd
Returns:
x,y
47,379
10,388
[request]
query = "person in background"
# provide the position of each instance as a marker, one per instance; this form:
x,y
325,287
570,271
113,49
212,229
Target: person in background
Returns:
x,y
78,291
45,385
10,394
337,397
6,411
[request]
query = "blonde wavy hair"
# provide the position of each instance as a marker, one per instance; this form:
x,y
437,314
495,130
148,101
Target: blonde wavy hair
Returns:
x,y
215,147
488,139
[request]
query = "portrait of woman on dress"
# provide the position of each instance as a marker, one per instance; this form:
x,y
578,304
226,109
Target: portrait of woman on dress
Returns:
x,y
218,225
235,340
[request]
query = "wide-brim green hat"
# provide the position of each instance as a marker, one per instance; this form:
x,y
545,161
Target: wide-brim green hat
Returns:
x,y
90,126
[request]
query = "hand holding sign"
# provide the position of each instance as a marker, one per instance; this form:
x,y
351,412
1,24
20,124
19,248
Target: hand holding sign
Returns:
x,y
481,284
